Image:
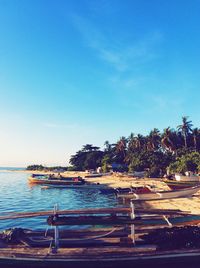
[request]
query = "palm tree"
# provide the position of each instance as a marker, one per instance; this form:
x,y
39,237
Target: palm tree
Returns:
x,y
153,140
140,142
107,146
195,136
130,148
167,140
185,128
121,147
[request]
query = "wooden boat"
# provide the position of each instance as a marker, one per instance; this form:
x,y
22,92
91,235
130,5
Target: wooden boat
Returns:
x,y
100,248
55,180
106,257
179,181
86,185
96,175
188,177
119,190
177,185
160,195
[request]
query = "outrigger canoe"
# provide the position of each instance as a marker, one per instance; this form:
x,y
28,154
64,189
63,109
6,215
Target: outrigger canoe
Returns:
x,y
177,185
110,248
153,195
55,180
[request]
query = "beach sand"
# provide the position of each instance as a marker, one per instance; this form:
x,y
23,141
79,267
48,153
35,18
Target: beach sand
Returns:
x,y
191,204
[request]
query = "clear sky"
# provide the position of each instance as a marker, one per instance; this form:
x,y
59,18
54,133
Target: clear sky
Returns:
x,y
85,71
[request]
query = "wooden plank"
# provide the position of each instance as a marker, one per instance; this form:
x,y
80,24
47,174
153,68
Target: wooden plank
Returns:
x,y
89,220
66,212
125,210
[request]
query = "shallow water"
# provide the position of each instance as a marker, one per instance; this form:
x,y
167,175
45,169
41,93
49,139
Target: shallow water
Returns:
x,y
16,195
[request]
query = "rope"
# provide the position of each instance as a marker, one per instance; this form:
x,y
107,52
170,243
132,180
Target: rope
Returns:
x,y
101,236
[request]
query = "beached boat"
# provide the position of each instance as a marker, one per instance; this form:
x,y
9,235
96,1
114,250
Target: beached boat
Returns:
x,y
177,185
55,180
135,189
97,175
101,248
153,195
107,257
179,181
188,177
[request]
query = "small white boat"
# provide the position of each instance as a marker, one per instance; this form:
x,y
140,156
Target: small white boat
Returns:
x,y
160,195
188,177
96,175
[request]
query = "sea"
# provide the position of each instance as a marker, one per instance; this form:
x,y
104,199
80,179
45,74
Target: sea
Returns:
x,y
17,195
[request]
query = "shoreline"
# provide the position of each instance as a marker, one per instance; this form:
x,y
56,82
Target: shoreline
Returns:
x,y
190,204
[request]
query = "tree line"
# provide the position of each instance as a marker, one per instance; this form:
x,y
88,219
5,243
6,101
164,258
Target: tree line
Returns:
x,y
176,150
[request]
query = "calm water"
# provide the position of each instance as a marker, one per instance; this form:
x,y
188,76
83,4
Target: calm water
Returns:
x,y
16,195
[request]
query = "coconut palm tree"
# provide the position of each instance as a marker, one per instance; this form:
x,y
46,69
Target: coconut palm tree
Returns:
x,y
195,136
130,148
121,147
153,140
167,140
140,142
107,146
185,128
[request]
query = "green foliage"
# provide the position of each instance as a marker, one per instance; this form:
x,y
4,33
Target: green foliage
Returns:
x,y
154,162
187,162
42,168
89,157
35,167
106,163
72,168
153,152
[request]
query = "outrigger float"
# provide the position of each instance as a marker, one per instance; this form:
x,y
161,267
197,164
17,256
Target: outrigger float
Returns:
x,y
123,244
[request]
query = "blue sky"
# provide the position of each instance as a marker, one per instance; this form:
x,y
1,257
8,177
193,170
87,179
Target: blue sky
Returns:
x,y
85,71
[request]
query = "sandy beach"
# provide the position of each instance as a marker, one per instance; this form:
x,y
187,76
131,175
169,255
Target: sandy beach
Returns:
x,y
191,204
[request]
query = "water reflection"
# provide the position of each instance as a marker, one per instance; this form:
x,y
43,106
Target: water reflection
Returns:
x,y
16,195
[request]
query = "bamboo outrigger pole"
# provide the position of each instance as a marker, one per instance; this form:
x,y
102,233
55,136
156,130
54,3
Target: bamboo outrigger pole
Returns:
x,y
56,237
132,225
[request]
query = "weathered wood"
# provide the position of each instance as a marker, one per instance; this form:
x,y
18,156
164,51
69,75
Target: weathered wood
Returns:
x,y
89,220
126,210
65,212
115,220
118,232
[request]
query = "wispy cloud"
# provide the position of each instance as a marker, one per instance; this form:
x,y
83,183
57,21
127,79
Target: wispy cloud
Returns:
x,y
120,56
131,60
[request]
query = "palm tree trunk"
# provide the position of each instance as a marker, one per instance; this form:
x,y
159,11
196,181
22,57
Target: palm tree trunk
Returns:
x,y
185,139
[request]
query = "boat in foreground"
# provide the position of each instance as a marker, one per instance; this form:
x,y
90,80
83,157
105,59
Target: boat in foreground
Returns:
x,y
100,248
101,258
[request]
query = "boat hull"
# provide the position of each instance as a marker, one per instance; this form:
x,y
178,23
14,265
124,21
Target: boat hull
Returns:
x,y
185,259
161,195
66,181
176,185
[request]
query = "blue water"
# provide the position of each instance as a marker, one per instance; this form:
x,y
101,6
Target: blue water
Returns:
x,y
16,195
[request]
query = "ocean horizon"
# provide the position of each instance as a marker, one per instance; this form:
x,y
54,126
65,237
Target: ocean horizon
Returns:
x,y
12,168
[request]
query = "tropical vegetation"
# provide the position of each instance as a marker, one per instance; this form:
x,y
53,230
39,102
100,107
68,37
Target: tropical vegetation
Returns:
x,y
175,150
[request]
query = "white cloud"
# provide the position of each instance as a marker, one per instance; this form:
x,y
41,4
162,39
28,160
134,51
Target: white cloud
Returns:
x,y
114,52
